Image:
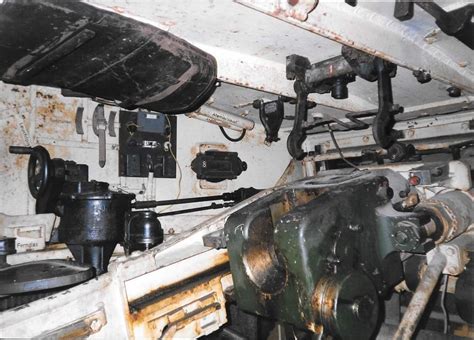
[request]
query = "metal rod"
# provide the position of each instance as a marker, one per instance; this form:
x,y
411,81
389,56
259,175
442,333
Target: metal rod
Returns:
x,y
207,207
420,299
236,196
152,204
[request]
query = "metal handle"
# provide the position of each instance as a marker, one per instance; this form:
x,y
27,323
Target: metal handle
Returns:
x,y
20,150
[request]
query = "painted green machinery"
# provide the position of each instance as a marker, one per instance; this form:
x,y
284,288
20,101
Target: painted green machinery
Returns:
x,y
320,254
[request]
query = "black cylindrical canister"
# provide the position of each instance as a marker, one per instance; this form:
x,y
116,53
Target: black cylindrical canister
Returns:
x,y
142,230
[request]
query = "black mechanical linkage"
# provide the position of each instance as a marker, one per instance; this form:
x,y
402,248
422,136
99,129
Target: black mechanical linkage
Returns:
x,y
332,76
207,207
298,135
235,196
384,121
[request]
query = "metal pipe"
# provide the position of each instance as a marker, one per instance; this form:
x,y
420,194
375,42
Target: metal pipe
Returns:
x,y
222,118
330,68
420,299
387,331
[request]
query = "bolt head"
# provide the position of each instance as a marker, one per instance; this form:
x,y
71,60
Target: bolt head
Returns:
x,y
401,237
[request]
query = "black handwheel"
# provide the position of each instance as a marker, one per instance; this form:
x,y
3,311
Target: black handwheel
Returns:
x,y
39,168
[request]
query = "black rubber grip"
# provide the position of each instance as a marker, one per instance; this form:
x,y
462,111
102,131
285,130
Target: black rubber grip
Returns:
x,y
20,150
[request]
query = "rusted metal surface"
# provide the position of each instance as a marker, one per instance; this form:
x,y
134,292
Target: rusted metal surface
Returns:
x,y
194,311
323,300
55,116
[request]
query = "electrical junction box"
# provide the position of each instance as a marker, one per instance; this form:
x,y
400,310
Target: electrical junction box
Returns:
x,y
147,143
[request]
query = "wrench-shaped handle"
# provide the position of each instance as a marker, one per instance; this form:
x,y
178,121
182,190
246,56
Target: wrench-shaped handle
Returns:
x,y
99,125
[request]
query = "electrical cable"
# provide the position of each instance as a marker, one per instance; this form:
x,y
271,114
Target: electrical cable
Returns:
x,y
177,163
339,149
443,305
238,139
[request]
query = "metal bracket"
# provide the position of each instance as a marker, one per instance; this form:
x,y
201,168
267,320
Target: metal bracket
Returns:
x,y
455,261
111,124
78,121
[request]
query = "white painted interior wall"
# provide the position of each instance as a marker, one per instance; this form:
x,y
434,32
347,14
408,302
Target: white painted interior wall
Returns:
x,y
38,115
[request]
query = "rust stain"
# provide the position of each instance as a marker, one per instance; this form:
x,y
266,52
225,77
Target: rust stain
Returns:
x,y
167,316
318,329
21,161
59,151
40,94
54,116
323,299
220,259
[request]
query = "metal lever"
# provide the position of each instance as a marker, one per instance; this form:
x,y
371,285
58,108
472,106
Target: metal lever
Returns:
x,y
99,125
